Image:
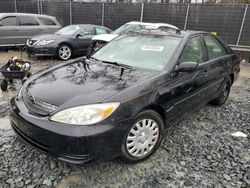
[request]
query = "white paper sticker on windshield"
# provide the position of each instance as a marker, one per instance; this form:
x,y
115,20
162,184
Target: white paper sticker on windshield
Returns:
x,y
152,48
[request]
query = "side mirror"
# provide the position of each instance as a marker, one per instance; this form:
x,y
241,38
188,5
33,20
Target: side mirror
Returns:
x,y
79,35
187,67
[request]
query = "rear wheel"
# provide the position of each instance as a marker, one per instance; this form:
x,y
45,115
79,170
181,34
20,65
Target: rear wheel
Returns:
x,y
143,137
4,85
64,52
222,98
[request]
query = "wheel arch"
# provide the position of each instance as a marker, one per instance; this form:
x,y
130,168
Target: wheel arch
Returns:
x,y
64,43
159,109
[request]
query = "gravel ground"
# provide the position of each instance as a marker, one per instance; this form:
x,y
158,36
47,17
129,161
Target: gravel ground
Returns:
x,y
197,152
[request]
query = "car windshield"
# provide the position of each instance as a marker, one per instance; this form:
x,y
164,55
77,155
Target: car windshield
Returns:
x,y
69,30
141,51
128,27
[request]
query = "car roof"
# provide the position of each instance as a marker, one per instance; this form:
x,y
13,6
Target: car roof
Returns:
x,y
25,14
93,25
155,25
169,32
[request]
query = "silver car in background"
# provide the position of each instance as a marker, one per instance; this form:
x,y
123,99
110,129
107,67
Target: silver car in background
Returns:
x,y
16,28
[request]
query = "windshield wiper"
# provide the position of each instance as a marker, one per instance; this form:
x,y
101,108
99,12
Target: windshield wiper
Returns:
x,y
113,63
93,58
118,64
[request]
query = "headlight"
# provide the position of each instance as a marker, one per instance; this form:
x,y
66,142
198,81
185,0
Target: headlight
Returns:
x,y
45,42
85,115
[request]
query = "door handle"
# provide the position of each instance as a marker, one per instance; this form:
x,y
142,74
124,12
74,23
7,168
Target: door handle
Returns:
x,y
188,90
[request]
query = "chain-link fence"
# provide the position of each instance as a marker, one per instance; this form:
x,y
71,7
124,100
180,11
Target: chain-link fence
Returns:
x,y
231,22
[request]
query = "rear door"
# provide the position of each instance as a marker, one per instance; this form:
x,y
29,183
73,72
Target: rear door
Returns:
x,y
9,34
28,27
219,62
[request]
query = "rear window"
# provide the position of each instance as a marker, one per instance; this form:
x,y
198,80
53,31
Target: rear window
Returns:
x,y
28,21
214,48
9,21
47,21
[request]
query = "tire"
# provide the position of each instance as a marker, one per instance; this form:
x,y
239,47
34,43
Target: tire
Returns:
x,y
148,138
64,52
29,75
223,96
23,81
4,85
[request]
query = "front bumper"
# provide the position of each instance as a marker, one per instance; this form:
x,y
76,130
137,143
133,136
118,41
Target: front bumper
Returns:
x,y
41,50
69,143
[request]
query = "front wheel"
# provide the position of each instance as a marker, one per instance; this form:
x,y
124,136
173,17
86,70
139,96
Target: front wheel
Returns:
x,y
222,98
29,75
64,52
4,85
143,137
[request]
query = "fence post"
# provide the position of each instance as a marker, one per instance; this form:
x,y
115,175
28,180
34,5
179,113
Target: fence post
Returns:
x,y
186,19
103,11
15,5
70,13
41,7
242,24
38,7
142,12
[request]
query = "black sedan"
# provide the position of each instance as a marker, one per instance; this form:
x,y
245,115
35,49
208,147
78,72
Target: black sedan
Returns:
x,y
68,41
119,101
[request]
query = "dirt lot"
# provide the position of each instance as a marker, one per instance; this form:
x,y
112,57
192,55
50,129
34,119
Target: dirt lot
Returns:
x,y
198,152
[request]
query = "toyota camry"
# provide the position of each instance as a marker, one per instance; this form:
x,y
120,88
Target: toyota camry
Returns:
x,y
119,101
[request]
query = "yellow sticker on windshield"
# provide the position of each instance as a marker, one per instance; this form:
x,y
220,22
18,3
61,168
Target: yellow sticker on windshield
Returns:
x,y
152,48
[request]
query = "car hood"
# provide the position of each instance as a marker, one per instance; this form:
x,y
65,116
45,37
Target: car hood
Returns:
x,y
104,37
48,37
82,82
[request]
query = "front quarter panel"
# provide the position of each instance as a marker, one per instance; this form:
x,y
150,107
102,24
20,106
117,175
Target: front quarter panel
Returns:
x,y
139,97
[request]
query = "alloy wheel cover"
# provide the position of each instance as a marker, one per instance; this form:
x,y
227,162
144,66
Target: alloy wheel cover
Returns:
x,y
64,52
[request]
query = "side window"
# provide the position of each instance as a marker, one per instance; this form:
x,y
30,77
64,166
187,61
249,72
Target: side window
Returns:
x,y
9,21
193,51
99,30
214,48
87,31
47,21
27,21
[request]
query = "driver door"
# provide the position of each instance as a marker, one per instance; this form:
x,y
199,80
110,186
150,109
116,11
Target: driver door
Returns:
x,y
83,40
183,93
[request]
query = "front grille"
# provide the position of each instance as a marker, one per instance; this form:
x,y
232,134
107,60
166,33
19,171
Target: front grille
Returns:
x,y
31,42
38,106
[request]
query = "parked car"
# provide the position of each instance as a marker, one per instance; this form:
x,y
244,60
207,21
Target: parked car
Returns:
x,y
16,28
68,41
101,40
120,100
